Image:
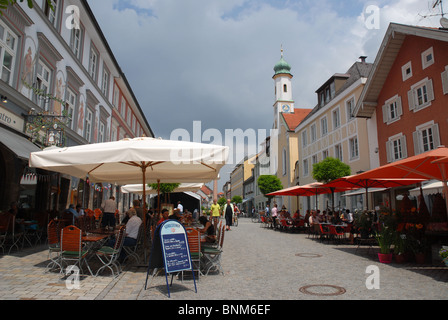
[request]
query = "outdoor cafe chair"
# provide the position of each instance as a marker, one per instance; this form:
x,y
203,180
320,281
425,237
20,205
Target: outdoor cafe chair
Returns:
x,y
109,255
14,235
72,249
194,245
335,234
54,246
5,220
132,251
213,256
324,232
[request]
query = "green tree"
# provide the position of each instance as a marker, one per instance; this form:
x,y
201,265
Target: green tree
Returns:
x,y
328,170
268,184
4,4
165,188
222,201
237,199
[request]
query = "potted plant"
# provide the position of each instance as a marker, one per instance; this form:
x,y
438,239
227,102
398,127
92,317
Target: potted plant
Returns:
x,y
443,253
400,247
419,247
385,240
363,223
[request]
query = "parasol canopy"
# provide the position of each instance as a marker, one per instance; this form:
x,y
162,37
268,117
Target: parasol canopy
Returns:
x,y
138,188
432,164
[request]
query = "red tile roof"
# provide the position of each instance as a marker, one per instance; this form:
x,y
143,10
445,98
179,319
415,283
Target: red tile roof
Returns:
x,y
293,119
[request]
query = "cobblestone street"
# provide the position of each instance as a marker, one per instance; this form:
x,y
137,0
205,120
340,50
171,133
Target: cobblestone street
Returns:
x,y
258,263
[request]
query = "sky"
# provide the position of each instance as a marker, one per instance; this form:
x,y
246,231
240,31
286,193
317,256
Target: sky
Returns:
x,y
201,65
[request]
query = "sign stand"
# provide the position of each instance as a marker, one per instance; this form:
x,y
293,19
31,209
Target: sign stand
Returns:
x,y
170,251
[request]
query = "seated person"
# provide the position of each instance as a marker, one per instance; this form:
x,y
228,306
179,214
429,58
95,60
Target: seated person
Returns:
x,y
208,230
132,229
165,214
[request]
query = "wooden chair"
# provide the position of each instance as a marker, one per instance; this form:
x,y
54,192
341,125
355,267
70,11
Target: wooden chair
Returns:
x,y
194,245
72,249
213,256
132,251
109,256
54,246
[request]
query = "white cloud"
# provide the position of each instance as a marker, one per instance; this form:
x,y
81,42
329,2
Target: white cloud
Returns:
x,y
212,60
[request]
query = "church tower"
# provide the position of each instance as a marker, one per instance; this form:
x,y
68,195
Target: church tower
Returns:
x,y
283,90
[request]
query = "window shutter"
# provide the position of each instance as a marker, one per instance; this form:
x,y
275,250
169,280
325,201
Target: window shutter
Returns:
x,y
404,149
399,107
436,135
416,138
411,100
389,151
385,114
430,88
444,76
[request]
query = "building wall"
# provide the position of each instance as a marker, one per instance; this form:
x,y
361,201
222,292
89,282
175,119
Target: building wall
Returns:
x,y
436,113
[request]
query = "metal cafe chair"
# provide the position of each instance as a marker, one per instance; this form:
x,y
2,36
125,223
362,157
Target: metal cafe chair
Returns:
x,y
109,255
5,220
72,249
132,251
54,246
213,256
194,245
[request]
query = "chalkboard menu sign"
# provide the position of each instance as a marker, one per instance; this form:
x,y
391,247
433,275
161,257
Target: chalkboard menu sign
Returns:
x,y
175,247
170,250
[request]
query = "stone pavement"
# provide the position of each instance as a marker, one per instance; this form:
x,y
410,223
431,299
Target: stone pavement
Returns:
x,y
258,263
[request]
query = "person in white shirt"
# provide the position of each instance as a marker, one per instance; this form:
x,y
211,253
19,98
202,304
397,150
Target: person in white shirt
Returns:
x,y
109,207
132,229
180,207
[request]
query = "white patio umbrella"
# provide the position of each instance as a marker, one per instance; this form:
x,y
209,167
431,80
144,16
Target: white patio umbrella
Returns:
x,y
138,188
138,160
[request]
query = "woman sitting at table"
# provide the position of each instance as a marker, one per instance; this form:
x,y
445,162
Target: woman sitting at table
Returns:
x,y
208,230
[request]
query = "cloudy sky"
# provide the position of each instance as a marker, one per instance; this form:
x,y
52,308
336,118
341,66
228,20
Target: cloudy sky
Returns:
x,y
212,60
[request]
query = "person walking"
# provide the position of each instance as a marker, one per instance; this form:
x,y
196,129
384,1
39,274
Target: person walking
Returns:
x,y
228,214
109,207
215,210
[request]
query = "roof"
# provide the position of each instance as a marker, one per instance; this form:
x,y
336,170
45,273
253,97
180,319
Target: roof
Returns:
x,y
357,71
388,52
206,190
282,67
292,120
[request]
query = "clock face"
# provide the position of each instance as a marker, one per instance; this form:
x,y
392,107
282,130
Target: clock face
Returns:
x,y
285,108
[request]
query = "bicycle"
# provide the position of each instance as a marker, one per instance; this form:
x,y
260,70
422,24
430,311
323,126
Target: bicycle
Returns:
x,y
256,217
235,220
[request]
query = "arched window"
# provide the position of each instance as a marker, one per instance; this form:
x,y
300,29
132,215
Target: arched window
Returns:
x,y
285,88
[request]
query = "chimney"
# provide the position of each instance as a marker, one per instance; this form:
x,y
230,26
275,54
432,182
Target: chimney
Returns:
x,y
363,59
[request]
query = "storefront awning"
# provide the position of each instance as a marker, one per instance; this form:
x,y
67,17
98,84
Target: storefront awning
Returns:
x,y
18,145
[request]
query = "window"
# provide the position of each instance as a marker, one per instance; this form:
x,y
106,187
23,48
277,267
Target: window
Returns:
x,y
123,108
406,71
105,83
284,162
8,52
43,84
93,64
426,137
338,151
336,119
88,126
306,169
421,95
101,133
285,88
350,107
313,132
116,96
444,76
76,41
353,145
323,126
327,95
69,109
314,159
392,110
128,118
304,138
396,148
51,13
427,58
325,154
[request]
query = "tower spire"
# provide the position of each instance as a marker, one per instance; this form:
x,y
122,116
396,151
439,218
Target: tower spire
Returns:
x,y
281,50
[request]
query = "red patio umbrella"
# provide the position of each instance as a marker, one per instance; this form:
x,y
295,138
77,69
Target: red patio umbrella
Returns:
x,y
354,182
311,189
432,164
